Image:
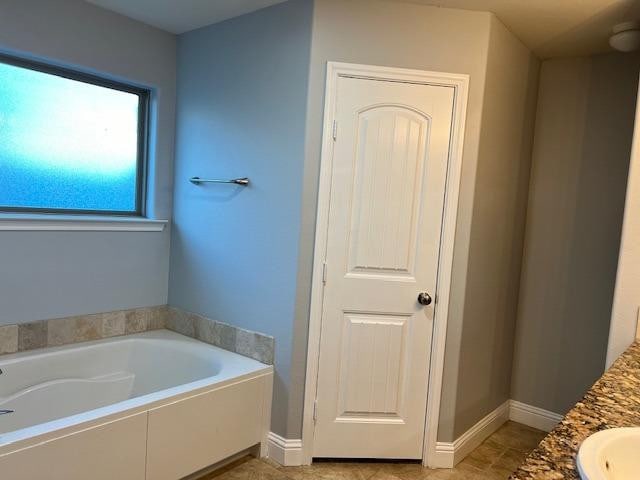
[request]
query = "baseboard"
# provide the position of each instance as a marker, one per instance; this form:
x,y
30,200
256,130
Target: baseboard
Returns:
x,y
533,416
448,454
284,451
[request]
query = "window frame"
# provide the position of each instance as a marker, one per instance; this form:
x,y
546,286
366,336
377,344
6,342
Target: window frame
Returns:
x,y
142,156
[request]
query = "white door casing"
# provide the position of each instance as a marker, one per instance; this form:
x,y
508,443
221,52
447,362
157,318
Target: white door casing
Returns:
x,y
382,216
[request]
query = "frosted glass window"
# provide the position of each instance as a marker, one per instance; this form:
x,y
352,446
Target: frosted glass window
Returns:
x,y
69,143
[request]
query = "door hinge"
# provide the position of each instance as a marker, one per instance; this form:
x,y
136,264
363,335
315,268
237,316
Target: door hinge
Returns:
x,y
335,129
324,272
315,410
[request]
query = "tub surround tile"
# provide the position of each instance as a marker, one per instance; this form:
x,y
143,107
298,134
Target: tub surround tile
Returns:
x,y
84,328
181,322
81,328
89,327
136,321
61,331
32,335
613,401
113,324
254,345
9,339
205,330
266,347
225,336
157,318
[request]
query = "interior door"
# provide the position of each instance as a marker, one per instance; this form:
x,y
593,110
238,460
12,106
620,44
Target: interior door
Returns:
x,y
387,195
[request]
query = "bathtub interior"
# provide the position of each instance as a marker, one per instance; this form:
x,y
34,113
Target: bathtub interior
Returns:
x,y
66,381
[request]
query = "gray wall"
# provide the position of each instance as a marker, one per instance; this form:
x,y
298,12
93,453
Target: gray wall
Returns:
x,y
584,128
415,36
54,274
497,231
242,90
430,38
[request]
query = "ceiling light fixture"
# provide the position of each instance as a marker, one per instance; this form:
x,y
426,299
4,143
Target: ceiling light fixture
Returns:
x,y
626,37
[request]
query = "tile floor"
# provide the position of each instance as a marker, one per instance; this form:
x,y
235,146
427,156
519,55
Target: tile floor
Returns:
x,y
495,459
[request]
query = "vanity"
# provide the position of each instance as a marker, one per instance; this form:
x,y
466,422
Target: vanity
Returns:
x,y
612,402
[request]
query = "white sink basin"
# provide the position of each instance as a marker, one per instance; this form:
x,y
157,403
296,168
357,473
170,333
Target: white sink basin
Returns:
x,y
610,455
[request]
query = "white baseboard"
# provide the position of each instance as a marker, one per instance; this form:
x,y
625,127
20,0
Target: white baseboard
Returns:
x,y
284,451
448,454
533,416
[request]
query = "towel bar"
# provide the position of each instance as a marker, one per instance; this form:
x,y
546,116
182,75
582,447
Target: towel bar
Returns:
x,y
244,181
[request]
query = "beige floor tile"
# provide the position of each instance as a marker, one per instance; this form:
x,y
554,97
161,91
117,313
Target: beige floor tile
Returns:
x,y
386,475
461,472
332,471
247,469
273,463
402,471
497,473
485,455
518,437
511,459
495,459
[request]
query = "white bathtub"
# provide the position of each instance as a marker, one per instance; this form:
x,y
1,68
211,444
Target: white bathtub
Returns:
x,y
155,406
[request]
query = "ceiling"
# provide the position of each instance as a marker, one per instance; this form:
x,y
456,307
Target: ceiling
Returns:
x,y
551,28
179,16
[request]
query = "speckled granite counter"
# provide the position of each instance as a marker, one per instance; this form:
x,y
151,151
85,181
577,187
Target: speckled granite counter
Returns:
x,y
613,401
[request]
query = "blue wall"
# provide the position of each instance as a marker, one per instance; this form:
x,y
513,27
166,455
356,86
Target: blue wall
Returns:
x,y
56,274
242,93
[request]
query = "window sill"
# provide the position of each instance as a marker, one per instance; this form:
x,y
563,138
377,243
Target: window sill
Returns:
x,y
78,223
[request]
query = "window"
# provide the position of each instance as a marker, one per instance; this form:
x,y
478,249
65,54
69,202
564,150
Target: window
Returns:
x,y
69,142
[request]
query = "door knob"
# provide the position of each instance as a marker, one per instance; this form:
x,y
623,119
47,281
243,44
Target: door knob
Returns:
x,y
424,298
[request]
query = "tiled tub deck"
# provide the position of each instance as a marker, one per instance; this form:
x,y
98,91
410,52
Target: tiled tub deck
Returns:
x,y
63,331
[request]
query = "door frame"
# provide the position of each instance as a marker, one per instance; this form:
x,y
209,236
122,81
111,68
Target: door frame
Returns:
x,y
460,83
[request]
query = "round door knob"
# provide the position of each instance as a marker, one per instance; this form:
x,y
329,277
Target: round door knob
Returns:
x,y
424,298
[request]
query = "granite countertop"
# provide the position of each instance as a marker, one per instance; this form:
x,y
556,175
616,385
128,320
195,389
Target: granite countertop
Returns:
x,y
613,401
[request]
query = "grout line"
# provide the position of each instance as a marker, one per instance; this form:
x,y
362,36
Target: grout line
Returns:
x,y
498,458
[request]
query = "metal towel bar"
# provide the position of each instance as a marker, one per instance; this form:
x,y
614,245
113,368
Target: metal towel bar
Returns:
x,y
244,181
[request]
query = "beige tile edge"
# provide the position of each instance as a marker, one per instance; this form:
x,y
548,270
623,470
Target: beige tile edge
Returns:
x,y
8,339
248,343
83,328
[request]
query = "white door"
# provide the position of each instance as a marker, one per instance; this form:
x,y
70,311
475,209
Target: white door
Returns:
x,y
387,195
